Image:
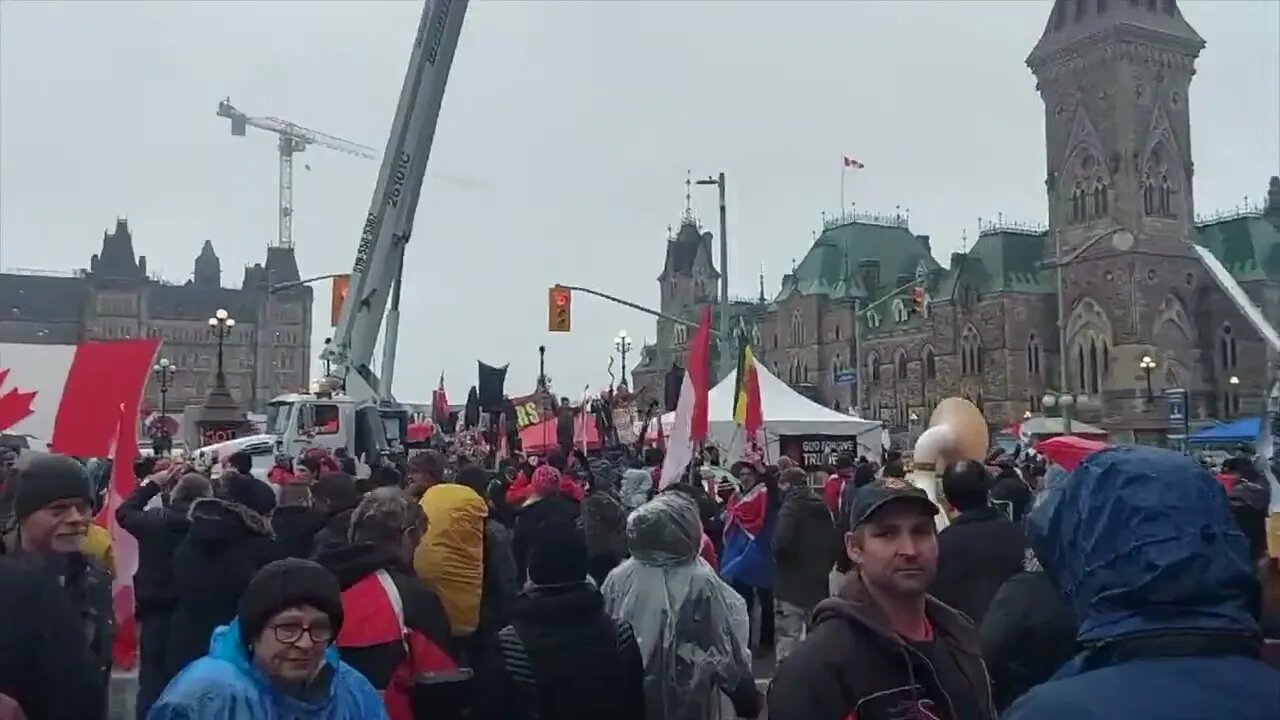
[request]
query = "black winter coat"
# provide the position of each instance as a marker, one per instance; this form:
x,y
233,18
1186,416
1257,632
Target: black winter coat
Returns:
x,y
158,531
579,663
333,535
853,662
295,529
45,664
977,552
1028,633
225,548
804,548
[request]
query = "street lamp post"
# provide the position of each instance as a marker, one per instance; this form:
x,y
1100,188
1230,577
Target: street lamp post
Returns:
x,y
327,367
1064,401
622,343
718,181
164,372
1147,365
221,324
1231,397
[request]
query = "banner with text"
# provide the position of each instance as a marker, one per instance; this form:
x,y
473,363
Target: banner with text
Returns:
x,y
814,452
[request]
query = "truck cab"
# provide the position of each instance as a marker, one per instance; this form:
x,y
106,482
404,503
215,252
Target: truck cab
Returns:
x,y
332,420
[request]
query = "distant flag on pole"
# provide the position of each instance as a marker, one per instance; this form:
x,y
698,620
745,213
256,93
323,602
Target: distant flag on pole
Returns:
x,y
851,163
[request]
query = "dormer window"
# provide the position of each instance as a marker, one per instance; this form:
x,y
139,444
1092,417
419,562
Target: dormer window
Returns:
x,y
900,314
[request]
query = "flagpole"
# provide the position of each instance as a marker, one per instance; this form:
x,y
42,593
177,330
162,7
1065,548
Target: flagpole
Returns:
x,y
844,170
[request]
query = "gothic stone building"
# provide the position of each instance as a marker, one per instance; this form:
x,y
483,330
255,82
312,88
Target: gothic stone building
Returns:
x,y
1115,77
266,354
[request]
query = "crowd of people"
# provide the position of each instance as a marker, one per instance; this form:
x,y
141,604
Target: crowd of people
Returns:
x,y
571,586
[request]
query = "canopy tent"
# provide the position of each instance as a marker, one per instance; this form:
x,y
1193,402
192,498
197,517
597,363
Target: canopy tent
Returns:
x,y
539,438
1244,430
1069,450
785,411
1033,429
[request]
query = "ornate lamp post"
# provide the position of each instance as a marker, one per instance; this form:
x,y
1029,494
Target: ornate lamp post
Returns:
x,y
1231,396
622,343
221,324
1065,402
164,372
1147,365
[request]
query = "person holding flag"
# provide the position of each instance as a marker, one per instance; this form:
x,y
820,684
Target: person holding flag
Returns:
x,y
747,561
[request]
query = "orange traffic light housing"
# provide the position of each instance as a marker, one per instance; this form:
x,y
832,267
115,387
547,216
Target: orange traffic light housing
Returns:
x,y
559,310
338,297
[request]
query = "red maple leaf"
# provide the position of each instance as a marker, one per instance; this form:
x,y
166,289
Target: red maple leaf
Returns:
x,y
14,406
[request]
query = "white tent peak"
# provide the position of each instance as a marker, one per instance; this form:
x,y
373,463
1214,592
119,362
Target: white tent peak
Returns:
x,y
778,402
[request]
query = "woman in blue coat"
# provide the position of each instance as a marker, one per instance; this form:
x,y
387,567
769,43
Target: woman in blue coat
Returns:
x,y
276,660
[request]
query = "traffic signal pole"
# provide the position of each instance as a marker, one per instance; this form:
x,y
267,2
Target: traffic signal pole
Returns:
x,y
634,306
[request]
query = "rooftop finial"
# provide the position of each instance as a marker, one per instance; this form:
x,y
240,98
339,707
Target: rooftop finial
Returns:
x,y
761,282
688,195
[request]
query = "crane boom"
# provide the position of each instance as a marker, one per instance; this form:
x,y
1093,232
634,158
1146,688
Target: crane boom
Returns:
x,y
379,258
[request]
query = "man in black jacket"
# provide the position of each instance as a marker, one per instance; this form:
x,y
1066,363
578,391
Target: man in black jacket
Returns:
x,y
158,531
804,549
980,549
562,657
883,649
45,665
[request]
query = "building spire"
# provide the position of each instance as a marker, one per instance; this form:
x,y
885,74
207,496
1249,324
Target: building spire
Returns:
x,y
762,299
688,196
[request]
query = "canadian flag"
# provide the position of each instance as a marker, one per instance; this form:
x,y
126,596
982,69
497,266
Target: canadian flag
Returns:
x,y
83,400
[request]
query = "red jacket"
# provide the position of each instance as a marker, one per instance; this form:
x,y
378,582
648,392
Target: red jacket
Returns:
x,y
831,490
522,489
708,552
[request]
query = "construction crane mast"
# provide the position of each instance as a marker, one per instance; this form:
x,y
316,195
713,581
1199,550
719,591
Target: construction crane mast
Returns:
x,y
293,138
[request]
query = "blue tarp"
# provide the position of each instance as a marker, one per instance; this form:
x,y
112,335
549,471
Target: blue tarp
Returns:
x,y
1242,430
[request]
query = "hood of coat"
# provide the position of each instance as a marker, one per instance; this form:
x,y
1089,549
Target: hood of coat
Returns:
x,y
1142,539
215,521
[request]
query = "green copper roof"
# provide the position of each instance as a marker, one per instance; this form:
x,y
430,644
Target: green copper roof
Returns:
x,y
831,267
1246,244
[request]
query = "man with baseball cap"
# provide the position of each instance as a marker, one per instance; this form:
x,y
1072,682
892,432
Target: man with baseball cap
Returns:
x,y
883,648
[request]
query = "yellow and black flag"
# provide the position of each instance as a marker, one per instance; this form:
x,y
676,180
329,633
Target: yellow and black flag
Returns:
x,y
746,401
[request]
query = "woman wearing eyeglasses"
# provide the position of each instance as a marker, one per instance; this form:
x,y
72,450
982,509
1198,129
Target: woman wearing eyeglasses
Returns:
x,y
276,659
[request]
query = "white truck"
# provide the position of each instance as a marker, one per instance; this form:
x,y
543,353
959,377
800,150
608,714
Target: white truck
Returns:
x,y
354,408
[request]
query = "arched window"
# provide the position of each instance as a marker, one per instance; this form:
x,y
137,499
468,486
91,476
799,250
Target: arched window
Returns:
x,y
682,334
1166,196
1033,356
793,370
797,329
1095,368
873,367
970,352
930,363
837,365
900,311
1100,201
900,365
1148,196
873,319
1227,357
1077,203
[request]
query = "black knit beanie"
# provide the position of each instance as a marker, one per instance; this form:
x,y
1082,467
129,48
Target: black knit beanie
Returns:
x,y
48,479
284,584
558,554
250,492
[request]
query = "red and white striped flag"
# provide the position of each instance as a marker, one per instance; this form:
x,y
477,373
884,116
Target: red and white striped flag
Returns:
x,y
851,163
690,428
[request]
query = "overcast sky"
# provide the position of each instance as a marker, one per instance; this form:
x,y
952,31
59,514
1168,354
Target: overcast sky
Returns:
x,y
575,123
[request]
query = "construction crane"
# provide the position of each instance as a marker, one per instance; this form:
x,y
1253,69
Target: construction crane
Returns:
x,y
293,138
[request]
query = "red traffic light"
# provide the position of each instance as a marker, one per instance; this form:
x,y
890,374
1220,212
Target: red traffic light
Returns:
x,y
561,298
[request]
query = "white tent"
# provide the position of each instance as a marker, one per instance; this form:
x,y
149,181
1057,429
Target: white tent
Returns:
x,y
785,412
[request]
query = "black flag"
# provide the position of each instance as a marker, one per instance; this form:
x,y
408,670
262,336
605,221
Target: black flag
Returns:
x,y
671,391
491,381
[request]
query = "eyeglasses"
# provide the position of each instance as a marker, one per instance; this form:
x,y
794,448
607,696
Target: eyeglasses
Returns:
x,y
290,633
